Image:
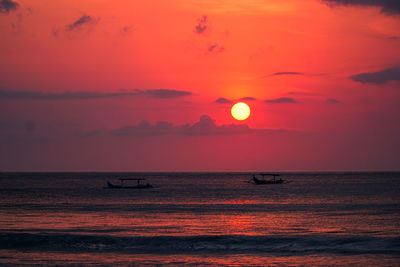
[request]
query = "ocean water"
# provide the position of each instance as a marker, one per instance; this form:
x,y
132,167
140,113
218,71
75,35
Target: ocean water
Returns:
x,y
200,219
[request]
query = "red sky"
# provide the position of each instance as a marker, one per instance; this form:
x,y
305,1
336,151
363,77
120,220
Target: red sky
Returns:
x,y
148,85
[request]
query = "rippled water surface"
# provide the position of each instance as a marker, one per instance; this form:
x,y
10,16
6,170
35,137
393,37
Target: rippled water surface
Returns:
x,y
200,219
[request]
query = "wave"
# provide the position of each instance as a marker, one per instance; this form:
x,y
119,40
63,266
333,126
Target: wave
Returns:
x,y
274,244
328,209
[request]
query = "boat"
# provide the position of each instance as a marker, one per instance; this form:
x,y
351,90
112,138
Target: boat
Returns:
x,y
124,185
258,181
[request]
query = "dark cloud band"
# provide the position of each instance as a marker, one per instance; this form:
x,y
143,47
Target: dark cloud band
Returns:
x,y
378,77
391,7
150,93
205,126
164,93
281,100
287,73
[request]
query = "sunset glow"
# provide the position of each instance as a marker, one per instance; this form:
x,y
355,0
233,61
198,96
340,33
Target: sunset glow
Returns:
x,y
106,81
199,132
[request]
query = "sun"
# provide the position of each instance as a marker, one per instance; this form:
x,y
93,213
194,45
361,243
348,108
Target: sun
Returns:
x,y
240,111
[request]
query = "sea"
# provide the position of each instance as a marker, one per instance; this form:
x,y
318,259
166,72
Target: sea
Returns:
x,y
200,219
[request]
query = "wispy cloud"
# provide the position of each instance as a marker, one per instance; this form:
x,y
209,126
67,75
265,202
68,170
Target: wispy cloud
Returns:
x,y
164,93
201,25
126,30
216,48
281,100
287,73
34,95
84,20
292,73
6,6
333,101
205,126
81,23
248,98
378,77
223,100
390,7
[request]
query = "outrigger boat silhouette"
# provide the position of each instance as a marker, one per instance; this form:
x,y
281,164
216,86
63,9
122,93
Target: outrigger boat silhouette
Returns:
x,y
258,181
123,185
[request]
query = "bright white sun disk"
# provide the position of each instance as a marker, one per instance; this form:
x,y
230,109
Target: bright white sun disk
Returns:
x,y
240,111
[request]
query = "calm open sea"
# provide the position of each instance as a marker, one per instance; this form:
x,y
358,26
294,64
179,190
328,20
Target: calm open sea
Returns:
x,y
200,219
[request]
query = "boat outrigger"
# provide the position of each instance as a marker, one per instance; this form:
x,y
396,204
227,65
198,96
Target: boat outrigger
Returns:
x,y
258,181
123,185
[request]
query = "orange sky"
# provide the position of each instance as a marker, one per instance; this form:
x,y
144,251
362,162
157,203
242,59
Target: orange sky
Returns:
x,y
324,78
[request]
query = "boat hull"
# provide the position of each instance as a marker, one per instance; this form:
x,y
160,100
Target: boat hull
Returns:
x,y
269,182
140,186
259,181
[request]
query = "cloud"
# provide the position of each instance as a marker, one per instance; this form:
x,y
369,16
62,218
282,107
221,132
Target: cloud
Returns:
x,y
292,73
287,73
71,29
205,126
59,96
6,6
248,98
55,32
126,30
378,77
216,48
223,100
390,7
150,93
164,93
281,100
201,25
333,101
84,20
